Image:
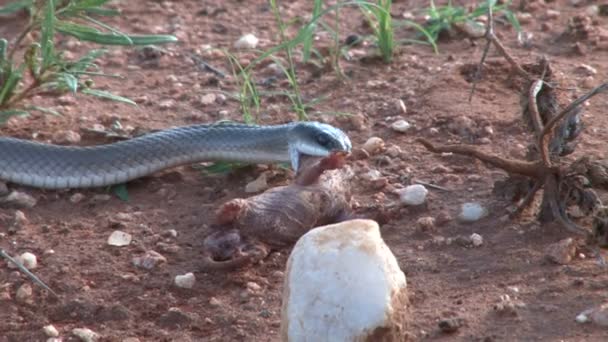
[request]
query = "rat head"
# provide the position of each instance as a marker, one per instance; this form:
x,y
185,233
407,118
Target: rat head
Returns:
x,y
317,140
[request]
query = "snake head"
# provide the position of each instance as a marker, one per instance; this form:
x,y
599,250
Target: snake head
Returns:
x,y
315,139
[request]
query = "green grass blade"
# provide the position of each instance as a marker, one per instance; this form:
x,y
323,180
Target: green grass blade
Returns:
x,y
113,39
310,31
43,110
107,95
14,76
69,81
6,114
47,34
15,7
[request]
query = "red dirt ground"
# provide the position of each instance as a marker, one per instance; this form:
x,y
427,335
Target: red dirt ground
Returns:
x,y
103,291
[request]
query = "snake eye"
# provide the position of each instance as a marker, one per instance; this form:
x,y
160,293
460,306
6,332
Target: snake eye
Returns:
x,y
323,139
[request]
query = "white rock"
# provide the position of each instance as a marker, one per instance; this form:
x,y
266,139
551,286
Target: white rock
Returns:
x,y
119,238
248,41
413,194
185,281
470,212
343,283
50,330
260,184
149,260
85,334
27,259
401,126
373,145
476,239
208,99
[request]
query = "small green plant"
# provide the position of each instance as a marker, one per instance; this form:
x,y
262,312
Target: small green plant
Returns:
x,y
379,17
290,71
442,18
45,70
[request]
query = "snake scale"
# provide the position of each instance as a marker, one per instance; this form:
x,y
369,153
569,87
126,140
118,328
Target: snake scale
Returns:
x,y
51,166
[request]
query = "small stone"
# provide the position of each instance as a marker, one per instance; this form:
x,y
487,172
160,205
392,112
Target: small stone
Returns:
x,y
552,14
450,325
19,220
259,184
401,126
76,198
166,104
426,223
28,260
401,106
185,281
208,99
470,212
50,330
215,302
488,130
413,194
597,315
524,17
248,41
373,145
441,169
66,100
149,260
66,137
170,233
473,29
561,252
24,293
588,82
85,334
253,287
19,200
100,198
119,238
476,239
174,318
587,69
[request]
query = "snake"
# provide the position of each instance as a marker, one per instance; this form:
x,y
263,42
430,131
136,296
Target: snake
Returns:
x,y
51,166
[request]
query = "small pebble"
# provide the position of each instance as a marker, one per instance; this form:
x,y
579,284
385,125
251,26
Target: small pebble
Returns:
x,y
425,223
587,69
19,220
561,252
85,334
166,104
66,137
260,184
185,281
413,194
50,330
214,302
373,145
119,238
76,198
208,99
149,260
450,325
553,14
476,239
401,126
248,41
19,200
254,287
24,292
470,212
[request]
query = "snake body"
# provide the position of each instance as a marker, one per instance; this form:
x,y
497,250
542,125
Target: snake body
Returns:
x,y
54,167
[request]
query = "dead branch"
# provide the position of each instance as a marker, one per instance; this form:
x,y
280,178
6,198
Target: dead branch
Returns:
x,y
525,168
